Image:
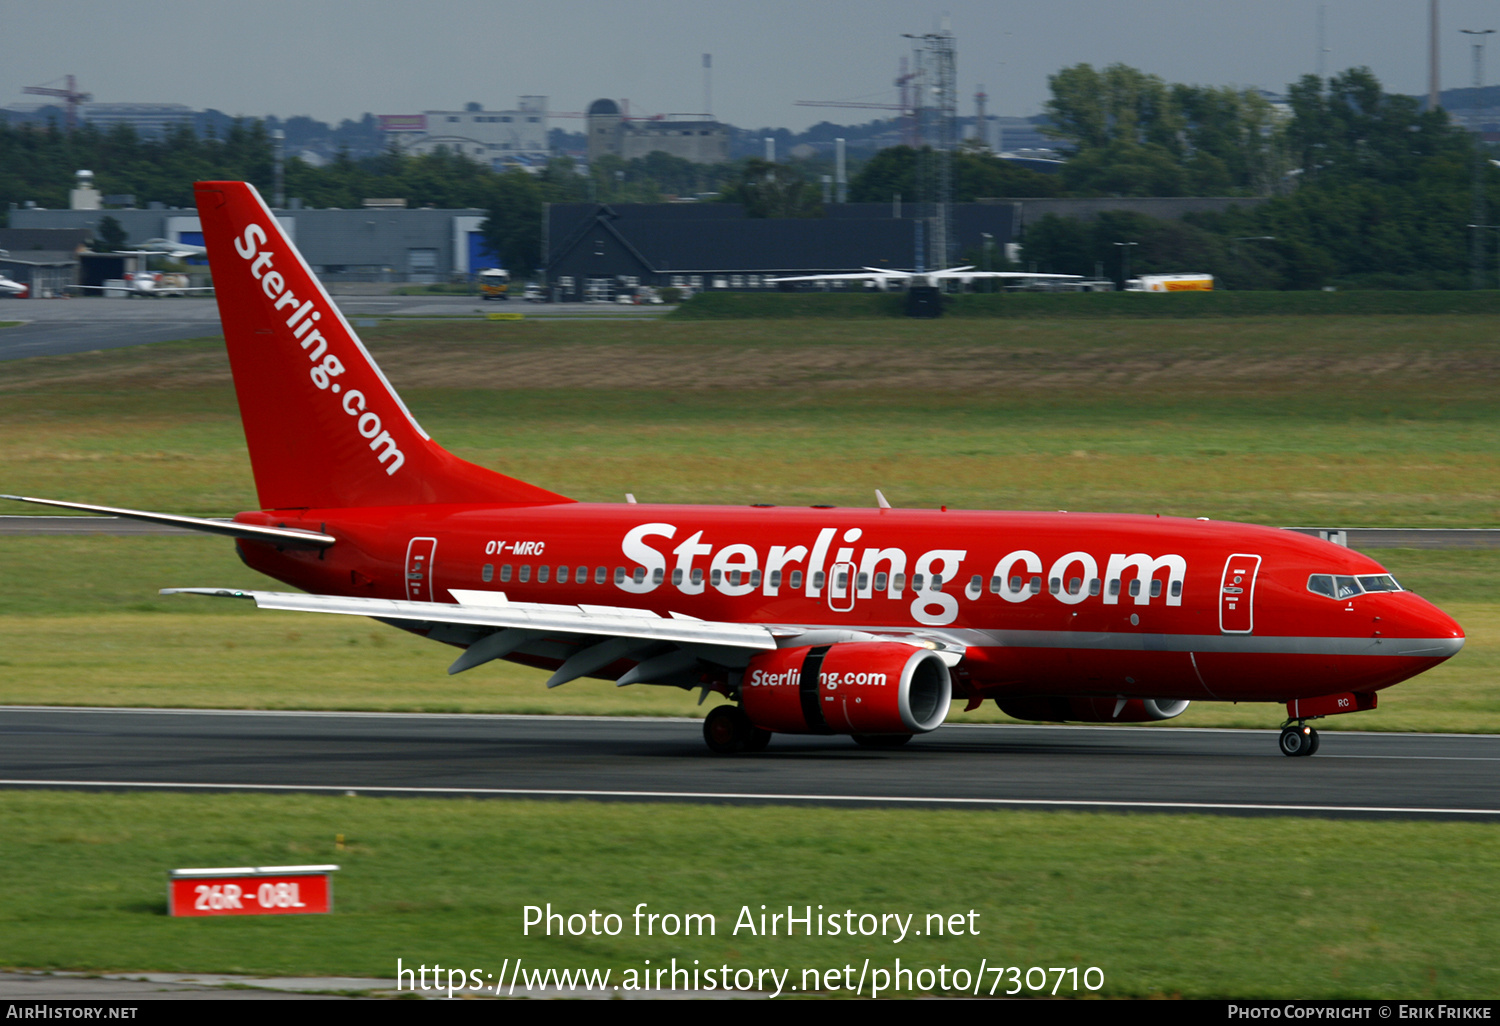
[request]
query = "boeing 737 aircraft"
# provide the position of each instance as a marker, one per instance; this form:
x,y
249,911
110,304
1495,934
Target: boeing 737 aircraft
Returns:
x,y
864,622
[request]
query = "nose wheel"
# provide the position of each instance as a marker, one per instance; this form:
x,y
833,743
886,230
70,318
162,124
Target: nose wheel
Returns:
x,y
1298,739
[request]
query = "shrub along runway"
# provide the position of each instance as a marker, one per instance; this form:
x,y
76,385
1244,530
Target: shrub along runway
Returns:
x,y
996,766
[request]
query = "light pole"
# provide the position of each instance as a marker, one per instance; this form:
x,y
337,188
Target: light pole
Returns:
x,y
1476,246
1125,261
1494,227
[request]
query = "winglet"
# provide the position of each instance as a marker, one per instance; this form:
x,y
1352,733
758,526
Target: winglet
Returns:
x,y
880,500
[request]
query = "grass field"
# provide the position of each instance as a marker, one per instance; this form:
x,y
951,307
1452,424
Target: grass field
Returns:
x,y
1172,906
1364,421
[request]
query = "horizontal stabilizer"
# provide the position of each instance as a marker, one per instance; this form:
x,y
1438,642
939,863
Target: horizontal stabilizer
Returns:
x,y
287,537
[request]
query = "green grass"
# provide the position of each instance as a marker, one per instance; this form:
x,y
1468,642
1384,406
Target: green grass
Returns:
x,y
1110,305
1325,421
1167,906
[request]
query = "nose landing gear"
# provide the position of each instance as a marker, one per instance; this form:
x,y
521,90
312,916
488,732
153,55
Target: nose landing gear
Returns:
x,y
1298,739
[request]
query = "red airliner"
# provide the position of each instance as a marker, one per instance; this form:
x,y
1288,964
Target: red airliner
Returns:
x,y
865,622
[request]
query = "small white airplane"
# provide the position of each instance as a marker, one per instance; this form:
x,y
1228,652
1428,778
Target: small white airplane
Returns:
x,y
175,250
148,282
874,277
13,288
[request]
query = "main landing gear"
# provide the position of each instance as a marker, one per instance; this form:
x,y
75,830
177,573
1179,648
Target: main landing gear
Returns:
x,y
727,730
1298,739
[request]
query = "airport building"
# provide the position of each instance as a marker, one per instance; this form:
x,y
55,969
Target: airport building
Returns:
x,y
493,137
694,137
594,251
381,244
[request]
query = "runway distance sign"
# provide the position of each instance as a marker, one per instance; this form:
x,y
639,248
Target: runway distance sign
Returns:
x,y
250,891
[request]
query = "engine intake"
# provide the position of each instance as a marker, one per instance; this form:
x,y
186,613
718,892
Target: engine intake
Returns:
x,y
875,687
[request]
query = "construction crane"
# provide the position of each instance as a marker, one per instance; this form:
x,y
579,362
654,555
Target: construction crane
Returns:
x,y
71,96
911,131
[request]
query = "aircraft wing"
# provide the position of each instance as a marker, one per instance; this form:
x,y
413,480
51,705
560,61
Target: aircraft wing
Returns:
x,y
968,275
862,276
666,649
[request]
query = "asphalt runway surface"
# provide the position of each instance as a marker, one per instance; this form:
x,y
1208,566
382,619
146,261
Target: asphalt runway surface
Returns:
x,y
1127,769
63,326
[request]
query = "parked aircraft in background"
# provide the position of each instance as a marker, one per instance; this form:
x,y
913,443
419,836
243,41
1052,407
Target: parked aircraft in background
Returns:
x,y
864,622
966,275
13,288
175,250
146,282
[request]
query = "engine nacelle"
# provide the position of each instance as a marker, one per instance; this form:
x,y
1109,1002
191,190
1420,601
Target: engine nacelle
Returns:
x,y
1096,709
859,687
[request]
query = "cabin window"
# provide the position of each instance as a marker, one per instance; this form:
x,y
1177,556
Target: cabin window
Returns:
x,y
818,579
1379,582
639,576
1075,585
1345,587
715,577
1321,584
543,574
1114,586
1016,584
562,575
880,581
677,577
1156,589
995,583
658,575
599,574
1036,585
619,575
525,574
976,584
843,579
1054,585
735,577
775,578
1176,589
697,575
755,578
916,582
796,579
1095,585
1135,587
488,573
505,572
936,583
898,582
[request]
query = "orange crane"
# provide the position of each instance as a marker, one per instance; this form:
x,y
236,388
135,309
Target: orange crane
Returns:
x,y
71,96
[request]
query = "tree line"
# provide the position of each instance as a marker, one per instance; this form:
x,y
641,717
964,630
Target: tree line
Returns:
x,y
1355,187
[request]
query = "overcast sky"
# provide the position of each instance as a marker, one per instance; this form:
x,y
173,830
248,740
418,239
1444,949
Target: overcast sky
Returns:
x,y
337,60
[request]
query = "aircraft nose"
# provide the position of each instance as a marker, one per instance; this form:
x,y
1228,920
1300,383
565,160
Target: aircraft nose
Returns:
x,y
1410,616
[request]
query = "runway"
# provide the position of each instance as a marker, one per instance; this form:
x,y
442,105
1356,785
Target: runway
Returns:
x,y
1127,769
60,327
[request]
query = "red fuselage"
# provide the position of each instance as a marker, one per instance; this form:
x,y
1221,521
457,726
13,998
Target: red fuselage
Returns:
x,y
1046,603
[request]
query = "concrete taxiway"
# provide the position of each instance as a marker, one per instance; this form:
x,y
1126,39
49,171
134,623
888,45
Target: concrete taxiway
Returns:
x,y
1129,769
60,327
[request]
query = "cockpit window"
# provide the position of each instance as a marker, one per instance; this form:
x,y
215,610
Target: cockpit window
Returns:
x,y
1338,587
1320,584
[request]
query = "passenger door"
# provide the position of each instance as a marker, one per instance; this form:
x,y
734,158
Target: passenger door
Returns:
x,y
1237,594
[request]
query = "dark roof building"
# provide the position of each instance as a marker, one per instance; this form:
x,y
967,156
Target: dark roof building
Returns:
x,y
593,250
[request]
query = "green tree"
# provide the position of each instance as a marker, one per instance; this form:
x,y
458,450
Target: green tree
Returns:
x,y
774,190
111,236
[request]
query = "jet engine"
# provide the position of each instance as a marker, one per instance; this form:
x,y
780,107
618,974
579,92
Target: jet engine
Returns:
x,y
1096,709
863,688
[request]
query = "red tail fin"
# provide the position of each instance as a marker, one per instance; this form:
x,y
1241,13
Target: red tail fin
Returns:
x,y
323,424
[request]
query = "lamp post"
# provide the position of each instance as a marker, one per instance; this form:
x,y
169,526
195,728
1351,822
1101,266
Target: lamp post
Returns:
x,y
1494,227
1125,261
